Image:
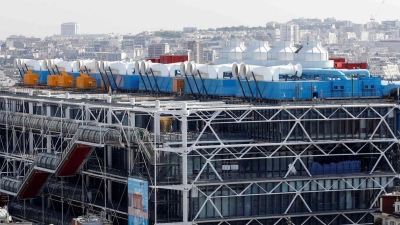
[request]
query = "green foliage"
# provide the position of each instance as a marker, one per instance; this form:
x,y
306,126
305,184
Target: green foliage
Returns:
x,y
378,221
239,28
168,34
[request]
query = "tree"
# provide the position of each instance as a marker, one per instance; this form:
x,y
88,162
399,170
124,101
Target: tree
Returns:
x,y
378,221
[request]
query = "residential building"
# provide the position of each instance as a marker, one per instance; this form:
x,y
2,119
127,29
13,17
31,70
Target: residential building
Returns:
x,y
71,28
155,50
290,32
128,42
197,51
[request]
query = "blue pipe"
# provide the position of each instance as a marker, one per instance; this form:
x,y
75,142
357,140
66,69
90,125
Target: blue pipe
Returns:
x,y
326,72
357,71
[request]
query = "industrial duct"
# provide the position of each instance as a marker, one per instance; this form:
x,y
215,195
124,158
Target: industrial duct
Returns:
x,y
62,66
130,68
312,51
267,73
75,66
137,67
257,50
117,67
183,68
356,72
90,64
283,50
31,64
159,69
207,71
235,69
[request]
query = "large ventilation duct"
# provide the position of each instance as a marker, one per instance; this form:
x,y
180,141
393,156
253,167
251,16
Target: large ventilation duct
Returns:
x,y
232,51
145,66
191,68
137,67
235,70
63,66
75,66
206,71
257,50
117,67
283,50
312,51
17,64
268,73
130,68
174,68
183,67
356,72
90,64
31,64
52,62
221,69
159,69
330,73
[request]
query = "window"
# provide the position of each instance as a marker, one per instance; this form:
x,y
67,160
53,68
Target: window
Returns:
x,y
366,86
342,87
335,87
372,86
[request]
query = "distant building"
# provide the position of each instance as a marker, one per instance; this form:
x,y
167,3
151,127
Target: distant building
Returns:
x,y
137,51
189,29
128,42
155,50
290,32
197,51
388,25
389,212
209,56
140,40
70,28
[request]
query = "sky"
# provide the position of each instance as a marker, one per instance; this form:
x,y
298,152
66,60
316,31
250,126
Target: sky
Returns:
x,y
41,18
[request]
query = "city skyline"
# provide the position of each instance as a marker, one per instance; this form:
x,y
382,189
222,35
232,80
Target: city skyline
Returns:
x,y
44,17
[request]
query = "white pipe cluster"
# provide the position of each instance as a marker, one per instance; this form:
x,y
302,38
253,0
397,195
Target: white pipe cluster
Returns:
x,y
240,70
266,73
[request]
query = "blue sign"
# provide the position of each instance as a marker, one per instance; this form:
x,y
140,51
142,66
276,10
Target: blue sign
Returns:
x,y
138,206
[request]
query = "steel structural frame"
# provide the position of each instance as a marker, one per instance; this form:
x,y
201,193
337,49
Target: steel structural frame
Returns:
x,y
209,113
209,150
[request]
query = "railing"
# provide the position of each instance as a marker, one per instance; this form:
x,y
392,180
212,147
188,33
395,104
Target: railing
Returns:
x,y
29,173
192,136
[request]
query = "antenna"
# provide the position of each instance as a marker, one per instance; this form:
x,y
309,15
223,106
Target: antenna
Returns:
x,y
374,17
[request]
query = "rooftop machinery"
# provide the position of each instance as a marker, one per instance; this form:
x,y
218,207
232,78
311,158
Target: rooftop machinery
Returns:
x,y
241,80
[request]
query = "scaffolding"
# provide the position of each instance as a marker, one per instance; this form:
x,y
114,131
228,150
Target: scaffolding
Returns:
x,y
207,162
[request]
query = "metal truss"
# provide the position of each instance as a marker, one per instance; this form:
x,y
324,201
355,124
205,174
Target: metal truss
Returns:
x,y
215,151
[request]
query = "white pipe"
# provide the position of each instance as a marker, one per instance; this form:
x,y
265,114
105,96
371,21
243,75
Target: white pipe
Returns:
x,y
117,67
235,70
270,73
221,69
244,70
207,71
91,64
160,69
174,67
63,66
191,68
75,66
30,63
137,67
183,68
130,68
145,66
